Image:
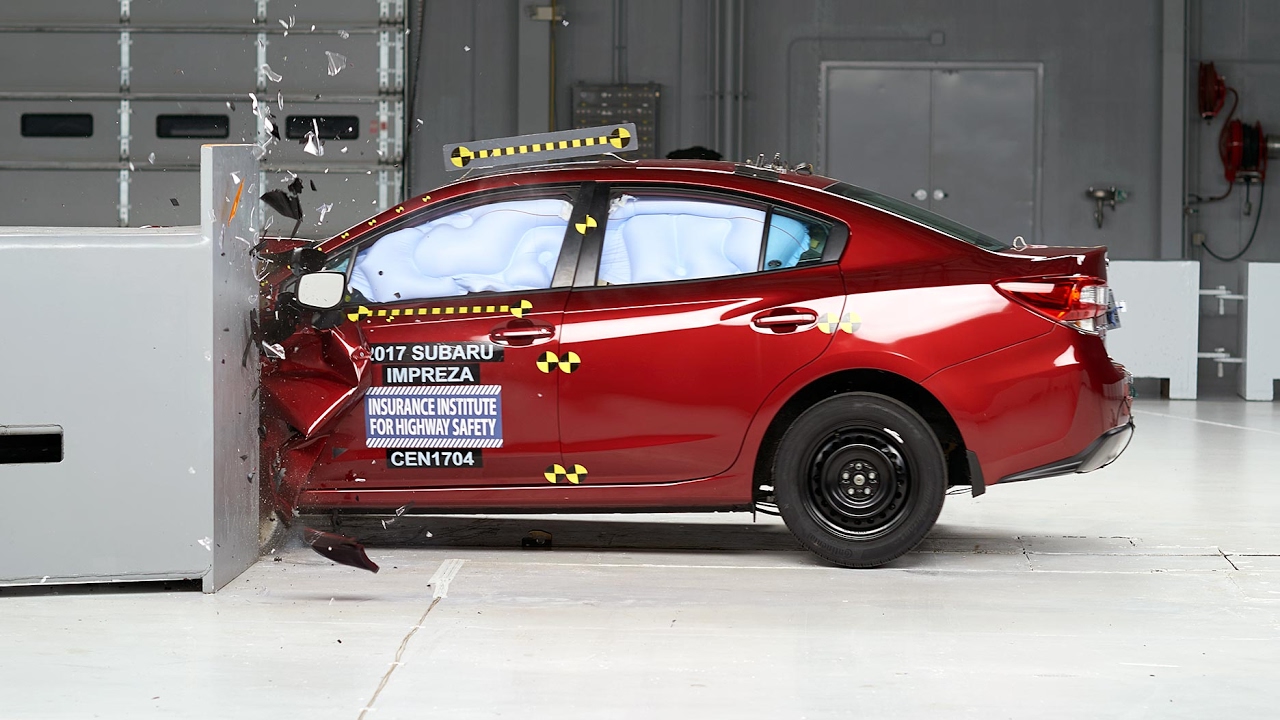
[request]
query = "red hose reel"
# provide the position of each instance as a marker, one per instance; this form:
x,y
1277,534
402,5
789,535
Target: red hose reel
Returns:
x,y
1243,149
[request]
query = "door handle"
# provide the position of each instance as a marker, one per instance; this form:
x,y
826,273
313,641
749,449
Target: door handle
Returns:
x,y
785,319
525,335
939,194
920,194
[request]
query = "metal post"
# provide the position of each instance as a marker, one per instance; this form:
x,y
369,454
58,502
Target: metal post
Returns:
x,y
1173,121
261,85
122,202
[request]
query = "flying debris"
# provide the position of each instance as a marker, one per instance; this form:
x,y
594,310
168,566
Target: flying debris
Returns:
x,y
342,550
312,143
337,62
285,204
272,76
323,210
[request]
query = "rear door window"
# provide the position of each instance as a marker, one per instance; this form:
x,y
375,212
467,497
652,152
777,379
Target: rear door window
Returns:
x,y
654,237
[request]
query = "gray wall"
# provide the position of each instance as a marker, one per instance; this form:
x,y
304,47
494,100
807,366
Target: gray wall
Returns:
x,y
1239,37
1101,84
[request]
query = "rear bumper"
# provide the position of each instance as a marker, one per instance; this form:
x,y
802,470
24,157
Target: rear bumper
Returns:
x,y
1037,407
1100,453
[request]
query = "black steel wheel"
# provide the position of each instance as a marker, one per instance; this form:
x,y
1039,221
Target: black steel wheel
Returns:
x,y
860,479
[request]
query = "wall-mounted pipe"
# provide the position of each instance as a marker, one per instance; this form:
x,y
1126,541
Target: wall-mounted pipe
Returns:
x,y
740,94
728,66
716,88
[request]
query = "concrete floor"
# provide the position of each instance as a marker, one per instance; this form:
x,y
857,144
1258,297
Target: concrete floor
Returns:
x,y
1148,589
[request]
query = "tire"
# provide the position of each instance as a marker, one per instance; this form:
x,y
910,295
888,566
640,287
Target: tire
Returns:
x,y
859,479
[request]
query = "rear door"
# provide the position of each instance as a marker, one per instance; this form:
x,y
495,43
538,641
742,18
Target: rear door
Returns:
x,y
688,309
456,311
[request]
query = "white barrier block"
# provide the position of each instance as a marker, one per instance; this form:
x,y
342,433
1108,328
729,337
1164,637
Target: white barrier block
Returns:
x,y
135,342
1160,327
1260,330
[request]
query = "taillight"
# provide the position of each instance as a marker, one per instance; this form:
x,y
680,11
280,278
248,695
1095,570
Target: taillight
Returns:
x,y
1077,301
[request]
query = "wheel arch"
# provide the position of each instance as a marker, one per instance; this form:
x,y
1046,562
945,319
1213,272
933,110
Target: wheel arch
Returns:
x,y
881,382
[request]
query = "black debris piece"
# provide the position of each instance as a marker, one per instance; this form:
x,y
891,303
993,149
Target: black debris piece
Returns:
x,y
174,201
340,549
313,186
295,187
286,204
536,539
283,203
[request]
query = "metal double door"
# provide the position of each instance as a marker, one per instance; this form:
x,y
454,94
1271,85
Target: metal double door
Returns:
x,y
960,140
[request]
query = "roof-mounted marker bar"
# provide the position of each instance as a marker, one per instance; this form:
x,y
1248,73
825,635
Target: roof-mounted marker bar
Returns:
x,y
540,147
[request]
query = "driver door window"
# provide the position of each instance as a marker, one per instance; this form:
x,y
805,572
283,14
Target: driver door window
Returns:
x,y
500,247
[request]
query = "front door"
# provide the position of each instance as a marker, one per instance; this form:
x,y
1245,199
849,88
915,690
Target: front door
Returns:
x,y
456,313
681,334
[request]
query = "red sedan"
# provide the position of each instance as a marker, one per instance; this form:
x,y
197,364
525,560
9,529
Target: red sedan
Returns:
x,y
683,335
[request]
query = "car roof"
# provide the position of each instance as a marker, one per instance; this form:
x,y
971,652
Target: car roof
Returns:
x,y
712,173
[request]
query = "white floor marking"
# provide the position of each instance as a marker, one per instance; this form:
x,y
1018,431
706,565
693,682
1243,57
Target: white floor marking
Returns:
x,y
1206,422
439,582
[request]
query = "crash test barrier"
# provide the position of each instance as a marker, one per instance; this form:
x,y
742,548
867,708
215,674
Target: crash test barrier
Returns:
x,y
128,394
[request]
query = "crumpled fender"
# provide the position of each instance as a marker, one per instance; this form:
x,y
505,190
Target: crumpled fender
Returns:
x,y
323,374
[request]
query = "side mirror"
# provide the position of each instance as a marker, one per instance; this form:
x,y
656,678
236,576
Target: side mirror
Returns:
x,y
321,290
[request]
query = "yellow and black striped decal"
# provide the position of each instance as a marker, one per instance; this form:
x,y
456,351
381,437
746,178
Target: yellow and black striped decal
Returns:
x,y
565,362
849,323
518,310
559,473
540,147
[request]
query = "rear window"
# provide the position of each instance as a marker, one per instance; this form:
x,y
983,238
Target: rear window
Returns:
x,y
918,215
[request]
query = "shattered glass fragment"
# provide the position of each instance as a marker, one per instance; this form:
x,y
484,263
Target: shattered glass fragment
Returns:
x,y
337,62
235,177
275,350
283,24
259,152
206,543
343,150
313,186
342,550
272,76
313,28
151,158
344,34
313,145
323,210
291,21
131,167
466,48
564,23
280,99
419,122
399,511
231,106
254,99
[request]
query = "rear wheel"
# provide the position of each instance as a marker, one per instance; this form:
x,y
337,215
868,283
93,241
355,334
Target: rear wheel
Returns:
x,y
860,479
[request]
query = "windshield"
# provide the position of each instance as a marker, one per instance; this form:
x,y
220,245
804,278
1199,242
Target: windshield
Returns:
x,y
918,215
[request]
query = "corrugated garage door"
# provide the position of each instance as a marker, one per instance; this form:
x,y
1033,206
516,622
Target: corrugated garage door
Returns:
x,y
105,106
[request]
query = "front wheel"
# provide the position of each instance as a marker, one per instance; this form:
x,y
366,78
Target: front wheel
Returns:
x,y
860,479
